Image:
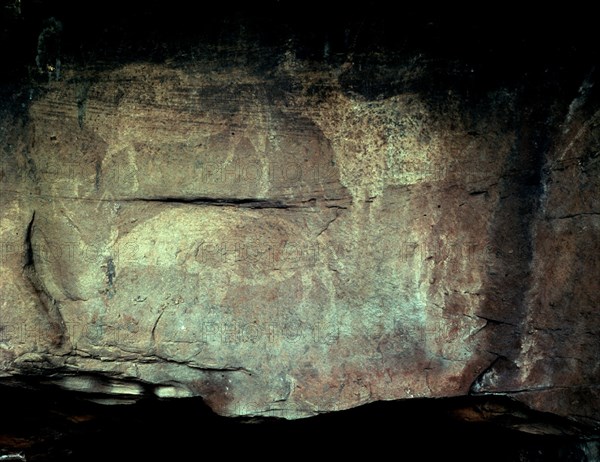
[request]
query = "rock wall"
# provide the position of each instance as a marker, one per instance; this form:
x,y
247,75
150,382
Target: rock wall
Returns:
x,y
285,234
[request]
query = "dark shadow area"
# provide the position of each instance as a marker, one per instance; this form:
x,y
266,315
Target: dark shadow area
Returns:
x,y
501,46
443,54
46,424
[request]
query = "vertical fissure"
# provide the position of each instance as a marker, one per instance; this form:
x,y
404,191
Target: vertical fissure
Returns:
x,y
49,305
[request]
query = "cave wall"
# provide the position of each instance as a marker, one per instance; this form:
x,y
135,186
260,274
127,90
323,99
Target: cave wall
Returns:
x,y
291,221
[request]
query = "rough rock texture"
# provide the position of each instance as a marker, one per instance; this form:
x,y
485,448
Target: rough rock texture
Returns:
x,y
286,235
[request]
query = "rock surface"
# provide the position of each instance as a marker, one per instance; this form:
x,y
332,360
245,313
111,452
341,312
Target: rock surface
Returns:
x,y
287,235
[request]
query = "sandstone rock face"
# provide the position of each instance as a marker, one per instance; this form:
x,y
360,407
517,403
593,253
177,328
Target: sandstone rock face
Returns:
x,y
303,237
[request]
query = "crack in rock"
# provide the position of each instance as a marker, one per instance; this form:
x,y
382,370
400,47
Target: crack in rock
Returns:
x,y
49,304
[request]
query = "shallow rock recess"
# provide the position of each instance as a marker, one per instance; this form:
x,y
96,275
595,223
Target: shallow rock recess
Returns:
x,y
290,224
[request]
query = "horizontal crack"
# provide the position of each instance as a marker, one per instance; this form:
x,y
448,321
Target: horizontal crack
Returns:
x,y
243,202
252,203
573,215
550,387
154,359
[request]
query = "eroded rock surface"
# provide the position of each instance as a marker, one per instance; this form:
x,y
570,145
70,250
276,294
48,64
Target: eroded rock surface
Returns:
x,y
283,239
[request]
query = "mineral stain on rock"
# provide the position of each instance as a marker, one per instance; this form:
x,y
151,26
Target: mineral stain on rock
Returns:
x,y
110,275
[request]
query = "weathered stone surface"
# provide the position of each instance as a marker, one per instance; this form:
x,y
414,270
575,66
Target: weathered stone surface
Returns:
x,y
287,241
